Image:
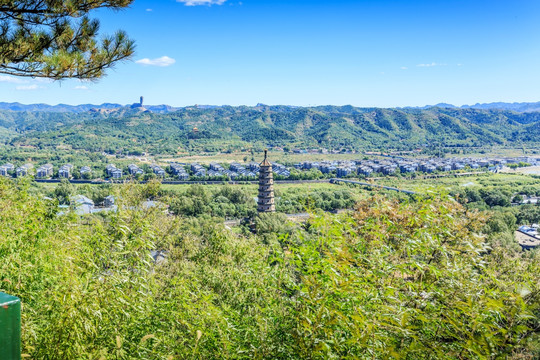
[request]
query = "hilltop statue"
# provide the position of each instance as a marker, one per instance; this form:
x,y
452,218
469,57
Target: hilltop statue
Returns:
x,y
139,105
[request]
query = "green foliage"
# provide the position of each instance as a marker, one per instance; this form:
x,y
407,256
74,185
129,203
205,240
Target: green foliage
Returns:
x,y
495,194
225,202
273,227
409,281
528,214
500,229
495,197
391,280
64,191
296,201
518,165
91,290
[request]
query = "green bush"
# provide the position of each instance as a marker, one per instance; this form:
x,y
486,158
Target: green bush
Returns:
x,y
411,280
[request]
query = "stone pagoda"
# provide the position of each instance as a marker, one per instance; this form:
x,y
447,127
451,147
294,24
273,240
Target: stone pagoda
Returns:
x,y
266,186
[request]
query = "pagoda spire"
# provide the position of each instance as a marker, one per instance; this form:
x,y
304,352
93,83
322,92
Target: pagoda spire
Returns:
x,y
265,201
265,162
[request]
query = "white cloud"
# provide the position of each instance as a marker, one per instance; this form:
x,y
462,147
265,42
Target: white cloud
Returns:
x,y
27,87
201,2
12,79
162,61
430,65
149,10
404,68
81,87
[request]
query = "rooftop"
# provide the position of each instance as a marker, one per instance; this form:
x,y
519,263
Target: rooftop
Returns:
x,y
527,241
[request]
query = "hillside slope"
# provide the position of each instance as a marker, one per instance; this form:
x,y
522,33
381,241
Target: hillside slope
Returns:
x,y
196,129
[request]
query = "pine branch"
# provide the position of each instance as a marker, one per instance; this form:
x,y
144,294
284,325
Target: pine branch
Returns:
x,y
56,39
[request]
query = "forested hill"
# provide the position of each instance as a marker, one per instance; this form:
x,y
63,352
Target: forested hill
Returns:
x,y
195,129
518,107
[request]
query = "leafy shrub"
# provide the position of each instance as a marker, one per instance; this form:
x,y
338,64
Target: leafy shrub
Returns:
x,y
392,280
410,281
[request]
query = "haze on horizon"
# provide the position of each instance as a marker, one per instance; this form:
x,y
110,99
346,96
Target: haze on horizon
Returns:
x,y
299,52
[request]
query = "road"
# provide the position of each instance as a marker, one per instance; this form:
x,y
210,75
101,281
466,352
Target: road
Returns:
x,y
165,182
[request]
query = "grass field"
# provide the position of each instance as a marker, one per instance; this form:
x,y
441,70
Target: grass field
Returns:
x,y
274,156
280,156
532,170
449,183
404,183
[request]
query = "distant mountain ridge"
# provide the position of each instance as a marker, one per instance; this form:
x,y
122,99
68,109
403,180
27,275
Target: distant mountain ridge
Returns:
x,y
61,108
517,107
108,107
65,108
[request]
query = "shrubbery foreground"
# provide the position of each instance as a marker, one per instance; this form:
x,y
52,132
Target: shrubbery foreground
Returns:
x,y
411,280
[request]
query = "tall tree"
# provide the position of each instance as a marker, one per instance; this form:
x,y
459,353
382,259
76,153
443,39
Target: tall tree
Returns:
x,y
56,39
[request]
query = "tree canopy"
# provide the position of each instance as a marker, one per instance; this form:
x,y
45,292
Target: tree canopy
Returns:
x,y
56,39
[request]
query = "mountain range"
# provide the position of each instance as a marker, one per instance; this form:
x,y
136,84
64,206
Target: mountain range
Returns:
x,y
108,107
517,107
64,108
133,129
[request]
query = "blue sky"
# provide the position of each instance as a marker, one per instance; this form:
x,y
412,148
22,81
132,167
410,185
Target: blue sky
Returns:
x,y
299,52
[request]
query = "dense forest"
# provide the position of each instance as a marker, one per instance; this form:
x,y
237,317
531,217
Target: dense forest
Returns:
x,y
132,131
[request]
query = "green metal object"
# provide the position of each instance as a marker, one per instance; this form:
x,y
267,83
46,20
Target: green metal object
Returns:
x,y
10,327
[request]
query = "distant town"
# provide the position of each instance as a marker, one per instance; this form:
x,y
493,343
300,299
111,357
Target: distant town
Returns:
x,y
365,168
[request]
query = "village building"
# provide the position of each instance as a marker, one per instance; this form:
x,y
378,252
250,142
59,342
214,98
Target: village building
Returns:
x,y
44,171
109,169
216,167
82,204
158,170
65,171
23,170
135,170
6,169
116,174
